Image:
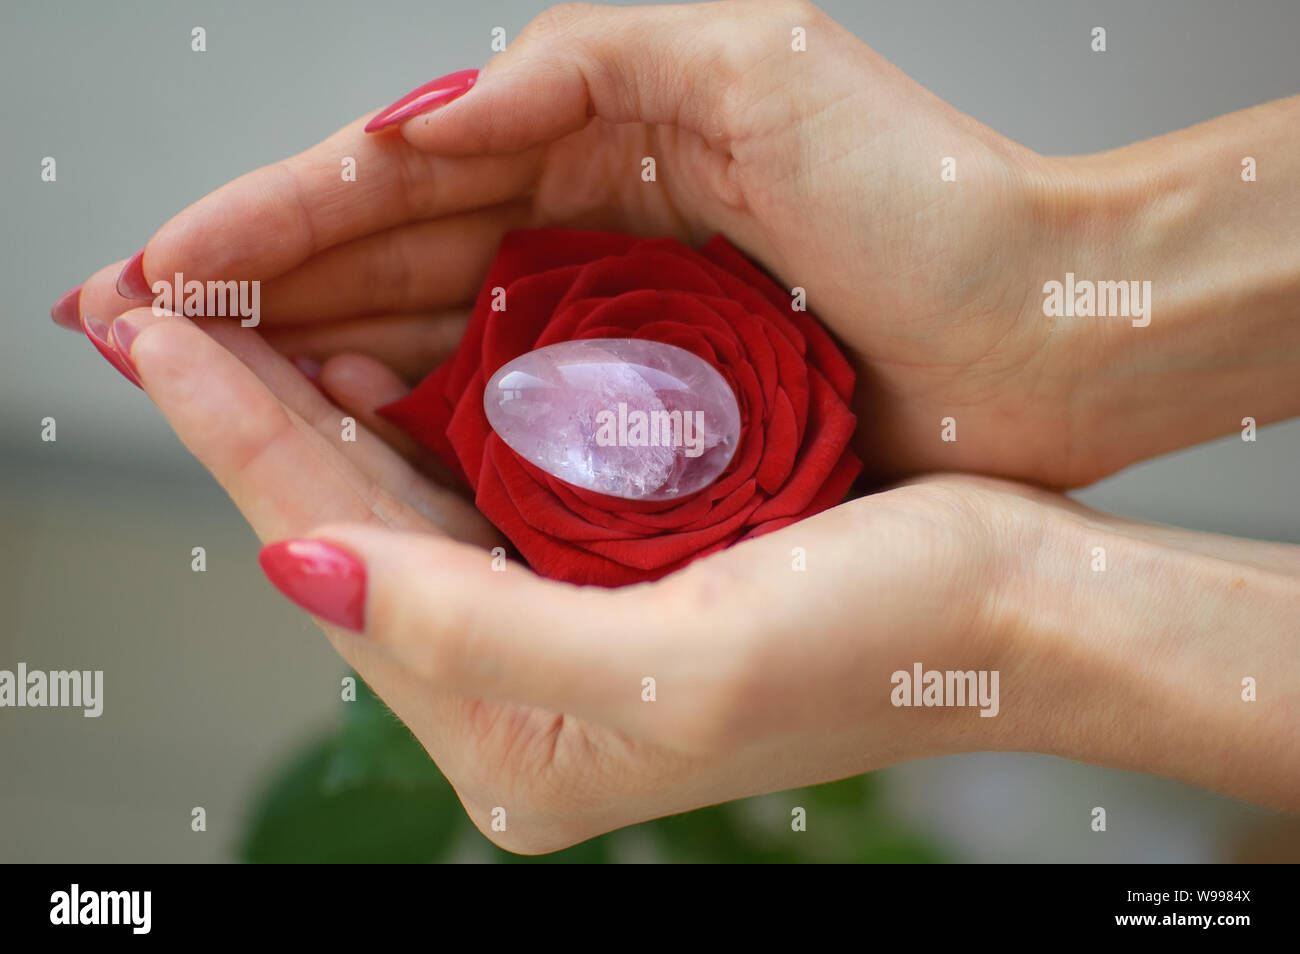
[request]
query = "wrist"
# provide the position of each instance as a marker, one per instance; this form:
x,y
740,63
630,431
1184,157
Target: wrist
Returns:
x,y
1133,646
1211,280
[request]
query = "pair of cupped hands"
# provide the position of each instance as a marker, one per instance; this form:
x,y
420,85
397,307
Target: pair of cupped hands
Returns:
x,y
529,694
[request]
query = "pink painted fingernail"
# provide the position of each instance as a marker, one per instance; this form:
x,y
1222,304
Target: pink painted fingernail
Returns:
x,y
428,97
64,311
122,333
323,579
131,282
97,332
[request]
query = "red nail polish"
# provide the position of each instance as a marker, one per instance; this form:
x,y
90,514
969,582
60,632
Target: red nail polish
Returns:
x,y
97,332
64,311
131,282
323,579
428,97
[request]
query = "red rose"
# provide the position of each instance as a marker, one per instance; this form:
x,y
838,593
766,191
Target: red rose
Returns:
x,y
790,380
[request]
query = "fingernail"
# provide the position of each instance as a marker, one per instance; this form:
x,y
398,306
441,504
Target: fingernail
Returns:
x,y
309,368
64,311
120,336
424,98
131,282
323,579
97,332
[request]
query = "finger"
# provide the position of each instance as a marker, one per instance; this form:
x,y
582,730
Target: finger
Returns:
x,y
99,295
281,473
386,474
712,636
410,345
421,267
359,385
257,449
670,65
447,616
268,221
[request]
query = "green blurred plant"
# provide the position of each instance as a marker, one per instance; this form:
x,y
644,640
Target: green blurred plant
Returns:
x,y
369,793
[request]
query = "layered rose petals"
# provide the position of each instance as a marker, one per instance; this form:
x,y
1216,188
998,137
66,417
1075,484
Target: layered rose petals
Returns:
x,y
792,384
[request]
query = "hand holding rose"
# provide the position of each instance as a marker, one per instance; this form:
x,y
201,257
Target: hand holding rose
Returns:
x,y
826,170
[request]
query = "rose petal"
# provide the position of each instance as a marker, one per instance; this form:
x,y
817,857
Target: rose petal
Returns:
x,y
830,427
782,440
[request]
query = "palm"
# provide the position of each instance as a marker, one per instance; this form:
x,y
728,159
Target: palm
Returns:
x,y
926,343
547,764
563,779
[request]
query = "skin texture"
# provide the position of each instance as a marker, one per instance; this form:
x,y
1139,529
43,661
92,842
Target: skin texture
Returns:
x,y
826,169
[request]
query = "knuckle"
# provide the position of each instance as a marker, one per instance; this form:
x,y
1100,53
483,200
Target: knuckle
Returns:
x,y
558,20
253,439
793,12
734,67
389,267
293,220
417,184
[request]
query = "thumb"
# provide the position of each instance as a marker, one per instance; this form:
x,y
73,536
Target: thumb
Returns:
x,y
469,622
668,65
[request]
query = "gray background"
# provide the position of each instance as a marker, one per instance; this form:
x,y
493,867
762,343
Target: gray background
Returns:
x,y
211,677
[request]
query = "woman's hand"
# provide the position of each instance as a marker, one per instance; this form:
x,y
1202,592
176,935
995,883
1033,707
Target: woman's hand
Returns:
x,y
531,695
827,165
528,693
824,164
1082,635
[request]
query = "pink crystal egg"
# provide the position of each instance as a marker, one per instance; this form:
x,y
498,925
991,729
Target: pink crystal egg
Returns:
x,y
630,418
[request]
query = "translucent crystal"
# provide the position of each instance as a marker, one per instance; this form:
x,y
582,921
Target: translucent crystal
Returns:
x,y
625,417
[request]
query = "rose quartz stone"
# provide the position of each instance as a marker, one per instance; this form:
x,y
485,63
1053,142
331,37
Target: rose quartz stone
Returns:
x,y
625,417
